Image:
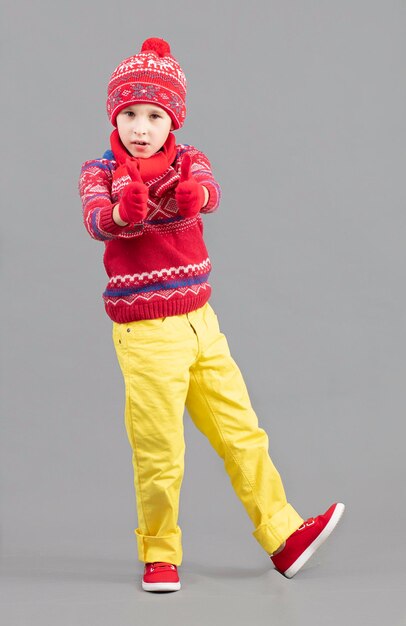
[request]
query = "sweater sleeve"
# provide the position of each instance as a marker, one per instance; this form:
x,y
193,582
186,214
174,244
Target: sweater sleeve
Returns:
x,y
202,172
94,189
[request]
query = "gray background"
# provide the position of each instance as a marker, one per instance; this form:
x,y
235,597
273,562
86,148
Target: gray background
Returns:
x,y
300,107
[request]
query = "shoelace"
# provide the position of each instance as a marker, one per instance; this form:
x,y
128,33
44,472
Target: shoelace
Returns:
x,y
308,522
161,565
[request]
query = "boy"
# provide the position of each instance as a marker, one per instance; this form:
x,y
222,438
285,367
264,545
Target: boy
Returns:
x,y
144,198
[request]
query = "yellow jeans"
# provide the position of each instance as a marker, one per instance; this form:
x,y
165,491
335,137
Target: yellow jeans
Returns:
x,y
184,360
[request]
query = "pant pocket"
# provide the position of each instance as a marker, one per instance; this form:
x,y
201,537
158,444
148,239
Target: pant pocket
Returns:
x,y
144,327
119,344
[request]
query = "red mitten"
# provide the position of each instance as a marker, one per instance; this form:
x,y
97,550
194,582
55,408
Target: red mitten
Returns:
x,y
189,193
133,171
134,199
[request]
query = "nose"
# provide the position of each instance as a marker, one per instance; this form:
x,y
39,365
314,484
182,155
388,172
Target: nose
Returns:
x,y
139,128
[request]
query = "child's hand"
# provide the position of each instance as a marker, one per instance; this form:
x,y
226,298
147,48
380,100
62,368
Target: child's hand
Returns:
x,y
189,193
133,203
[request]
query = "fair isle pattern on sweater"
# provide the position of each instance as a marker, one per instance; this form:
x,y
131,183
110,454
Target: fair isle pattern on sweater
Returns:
x,y
141,282
130,296
143,287
161,266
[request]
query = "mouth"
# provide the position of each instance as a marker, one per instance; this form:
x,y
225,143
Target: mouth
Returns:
x,y
139,143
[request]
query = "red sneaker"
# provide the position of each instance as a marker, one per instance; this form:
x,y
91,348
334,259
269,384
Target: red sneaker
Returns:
x,y
160,576
305,540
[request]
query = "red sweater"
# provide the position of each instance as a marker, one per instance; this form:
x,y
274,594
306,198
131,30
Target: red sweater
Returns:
x,y
162,266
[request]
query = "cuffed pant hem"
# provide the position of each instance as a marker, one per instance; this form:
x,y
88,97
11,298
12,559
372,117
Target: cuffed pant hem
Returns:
x,y
278,528
167,548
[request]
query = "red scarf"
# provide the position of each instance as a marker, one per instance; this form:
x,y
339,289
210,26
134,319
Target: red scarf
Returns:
x,y
149,168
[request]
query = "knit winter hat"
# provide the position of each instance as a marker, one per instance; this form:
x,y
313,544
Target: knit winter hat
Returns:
x,y
151,76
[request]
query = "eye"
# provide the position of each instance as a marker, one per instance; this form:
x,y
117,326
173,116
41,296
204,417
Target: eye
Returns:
x,y
155,115
128,113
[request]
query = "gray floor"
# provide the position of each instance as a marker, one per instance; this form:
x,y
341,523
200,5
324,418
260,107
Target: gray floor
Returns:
x,y
333,588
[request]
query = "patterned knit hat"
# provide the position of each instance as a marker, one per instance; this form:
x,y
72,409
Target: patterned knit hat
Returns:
x,y
151,76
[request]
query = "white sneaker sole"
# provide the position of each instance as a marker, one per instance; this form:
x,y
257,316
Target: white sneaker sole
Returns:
x,y
305,556
161,586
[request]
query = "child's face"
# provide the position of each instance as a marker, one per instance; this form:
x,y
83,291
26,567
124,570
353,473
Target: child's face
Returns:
x,y
143,122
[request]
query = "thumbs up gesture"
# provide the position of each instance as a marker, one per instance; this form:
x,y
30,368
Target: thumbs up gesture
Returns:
x,y
133,203
189,193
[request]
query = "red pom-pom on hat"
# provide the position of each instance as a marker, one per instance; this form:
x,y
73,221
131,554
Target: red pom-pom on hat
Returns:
x,y
159,46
